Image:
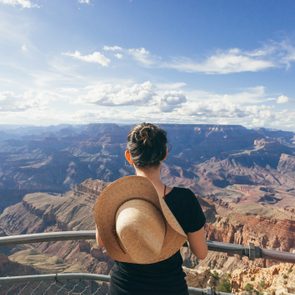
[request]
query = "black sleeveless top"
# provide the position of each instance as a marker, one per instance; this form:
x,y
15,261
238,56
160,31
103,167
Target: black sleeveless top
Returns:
x,y
167,276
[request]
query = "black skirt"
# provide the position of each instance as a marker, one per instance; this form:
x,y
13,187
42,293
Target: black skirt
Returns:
x,y
162,278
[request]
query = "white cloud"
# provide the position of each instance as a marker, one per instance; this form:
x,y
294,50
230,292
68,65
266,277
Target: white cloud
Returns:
x,y
284,52
126,101
84,1
30,99
141,55
119,95
231,61
119,55
248,96
114,48
229,113
173,104
105,116
22,3
171,100
95,57
253,95
171,86
282,99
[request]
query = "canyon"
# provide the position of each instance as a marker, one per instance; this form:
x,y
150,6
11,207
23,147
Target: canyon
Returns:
x,y
243,178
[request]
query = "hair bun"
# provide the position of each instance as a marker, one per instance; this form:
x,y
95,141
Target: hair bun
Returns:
x,y
147,145
147,136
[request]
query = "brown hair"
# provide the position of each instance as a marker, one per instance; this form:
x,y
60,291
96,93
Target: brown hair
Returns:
x,y
147,144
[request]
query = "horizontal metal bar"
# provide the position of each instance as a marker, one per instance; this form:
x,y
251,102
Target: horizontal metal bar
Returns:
x,y
278,255
57,276
84,276
226,247
47,237
250,251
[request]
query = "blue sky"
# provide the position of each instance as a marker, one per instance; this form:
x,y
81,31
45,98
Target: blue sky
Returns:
x,y
127,61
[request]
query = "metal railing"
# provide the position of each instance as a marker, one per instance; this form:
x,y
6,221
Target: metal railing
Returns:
x,y
250,251
59,283
86,283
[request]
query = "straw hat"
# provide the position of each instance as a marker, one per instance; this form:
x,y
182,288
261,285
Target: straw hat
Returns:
x,y
135,224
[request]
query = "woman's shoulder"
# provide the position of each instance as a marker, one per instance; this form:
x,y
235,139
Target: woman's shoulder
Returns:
x,y
183,190
181,193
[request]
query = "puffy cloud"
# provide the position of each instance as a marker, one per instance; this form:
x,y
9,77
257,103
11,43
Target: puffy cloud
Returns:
x,y
105,116
30,99
141,55
171,86
169,101
22,3
7,102
163,97
228,113
110,101
95,57
119,95
11,102
282,99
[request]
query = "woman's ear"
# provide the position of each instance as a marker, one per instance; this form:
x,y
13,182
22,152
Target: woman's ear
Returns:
x,y
166,154
128,157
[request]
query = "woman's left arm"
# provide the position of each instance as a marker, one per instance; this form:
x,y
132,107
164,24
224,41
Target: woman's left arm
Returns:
x,y
198,244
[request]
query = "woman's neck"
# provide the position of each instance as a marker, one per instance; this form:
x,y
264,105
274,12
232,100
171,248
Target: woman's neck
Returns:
x,y
154,175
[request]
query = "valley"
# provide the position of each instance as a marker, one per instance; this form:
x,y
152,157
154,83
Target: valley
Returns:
x,y
243,178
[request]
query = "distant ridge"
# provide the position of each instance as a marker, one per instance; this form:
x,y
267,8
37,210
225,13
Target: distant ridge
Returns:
x,y
55,158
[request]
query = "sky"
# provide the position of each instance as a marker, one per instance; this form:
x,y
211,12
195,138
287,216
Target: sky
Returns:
x,y
129,61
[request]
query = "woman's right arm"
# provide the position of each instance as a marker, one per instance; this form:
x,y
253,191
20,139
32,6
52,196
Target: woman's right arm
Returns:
x,y
198,244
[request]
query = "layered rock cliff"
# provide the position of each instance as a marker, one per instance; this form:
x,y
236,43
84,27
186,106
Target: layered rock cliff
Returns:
x,y
41,212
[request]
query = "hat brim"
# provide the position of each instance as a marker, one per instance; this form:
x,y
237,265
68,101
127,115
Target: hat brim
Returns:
x,y
117,193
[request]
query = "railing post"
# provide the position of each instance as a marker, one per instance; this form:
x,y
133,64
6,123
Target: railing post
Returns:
x,y
252,252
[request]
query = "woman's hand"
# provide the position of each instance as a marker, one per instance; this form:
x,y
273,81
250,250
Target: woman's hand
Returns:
x,y
198,244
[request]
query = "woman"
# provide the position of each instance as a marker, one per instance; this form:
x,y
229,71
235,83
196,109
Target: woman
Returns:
x,y
146,149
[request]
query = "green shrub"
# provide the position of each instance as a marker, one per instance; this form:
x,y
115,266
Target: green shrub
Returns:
x,y
248,287
262,284
215,275
224,285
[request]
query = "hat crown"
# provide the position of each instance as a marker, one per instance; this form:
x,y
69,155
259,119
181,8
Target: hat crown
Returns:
x,y
141,229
